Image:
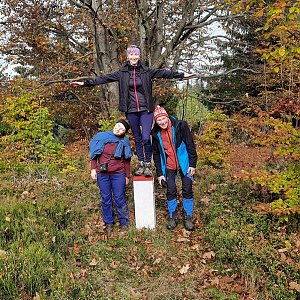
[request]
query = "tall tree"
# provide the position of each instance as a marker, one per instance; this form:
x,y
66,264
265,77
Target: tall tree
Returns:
x,y
279,49
56,40
237,66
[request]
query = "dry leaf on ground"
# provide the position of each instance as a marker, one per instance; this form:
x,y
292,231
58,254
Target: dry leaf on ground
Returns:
x,y
294,286
209,255
184,269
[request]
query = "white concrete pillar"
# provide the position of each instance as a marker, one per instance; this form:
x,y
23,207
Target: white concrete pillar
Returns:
x,y
144,202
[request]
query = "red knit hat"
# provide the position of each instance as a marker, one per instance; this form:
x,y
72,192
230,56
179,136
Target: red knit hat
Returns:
x,y
159,112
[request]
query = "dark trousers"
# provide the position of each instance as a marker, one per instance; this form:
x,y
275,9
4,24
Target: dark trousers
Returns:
x,y
141,124
108,185
187,184
187,192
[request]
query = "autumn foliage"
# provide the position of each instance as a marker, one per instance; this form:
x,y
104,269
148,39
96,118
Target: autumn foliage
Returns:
x,y
243,109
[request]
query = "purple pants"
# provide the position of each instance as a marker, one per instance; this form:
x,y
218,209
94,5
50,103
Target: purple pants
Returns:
x,y
141,124
108,185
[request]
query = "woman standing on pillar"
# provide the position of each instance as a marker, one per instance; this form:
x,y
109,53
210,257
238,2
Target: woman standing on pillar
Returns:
x,y
136,100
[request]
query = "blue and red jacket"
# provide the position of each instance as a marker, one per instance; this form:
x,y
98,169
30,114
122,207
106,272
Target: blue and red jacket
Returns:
x,y
184,145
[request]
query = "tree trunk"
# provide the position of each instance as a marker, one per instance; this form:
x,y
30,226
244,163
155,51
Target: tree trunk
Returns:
x,y
105,58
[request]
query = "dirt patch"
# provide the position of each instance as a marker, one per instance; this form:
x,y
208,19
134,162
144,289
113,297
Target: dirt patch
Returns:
x,y
244,158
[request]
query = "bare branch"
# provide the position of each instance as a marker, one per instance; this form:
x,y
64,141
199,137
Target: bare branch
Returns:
x,y
228,72
71,62
78,4
204,22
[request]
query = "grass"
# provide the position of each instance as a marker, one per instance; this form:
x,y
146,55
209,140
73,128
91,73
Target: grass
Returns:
x,y
251,244
52,246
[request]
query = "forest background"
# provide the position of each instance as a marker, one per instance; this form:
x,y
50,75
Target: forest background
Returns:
x,y
243,109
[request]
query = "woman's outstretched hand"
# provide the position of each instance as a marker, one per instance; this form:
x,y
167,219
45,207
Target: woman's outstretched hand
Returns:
x,y
76,83
190,75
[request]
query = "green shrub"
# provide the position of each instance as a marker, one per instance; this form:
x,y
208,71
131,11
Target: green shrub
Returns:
x,y
213,143
108,123
29,145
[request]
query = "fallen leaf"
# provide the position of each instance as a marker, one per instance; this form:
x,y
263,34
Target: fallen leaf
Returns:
x,y
233,232
184,269
134,293
282,250
157,261
226,279
195,247
148,242
93,262
76,250
186,233
213,187
115,264
238,288
82,273
145,273
294,286
183,240
215,281
282,257
7,219
134,250
205,200
262,207
37,296
279,273
209,255
3,254
24,195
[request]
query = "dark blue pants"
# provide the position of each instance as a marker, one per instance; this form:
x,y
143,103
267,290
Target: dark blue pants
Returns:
x,y
108,185
187,192
141,124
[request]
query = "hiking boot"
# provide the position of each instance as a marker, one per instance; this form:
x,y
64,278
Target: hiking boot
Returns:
x,y
109,228
140,169
147,170
124,228
173,221
188,223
